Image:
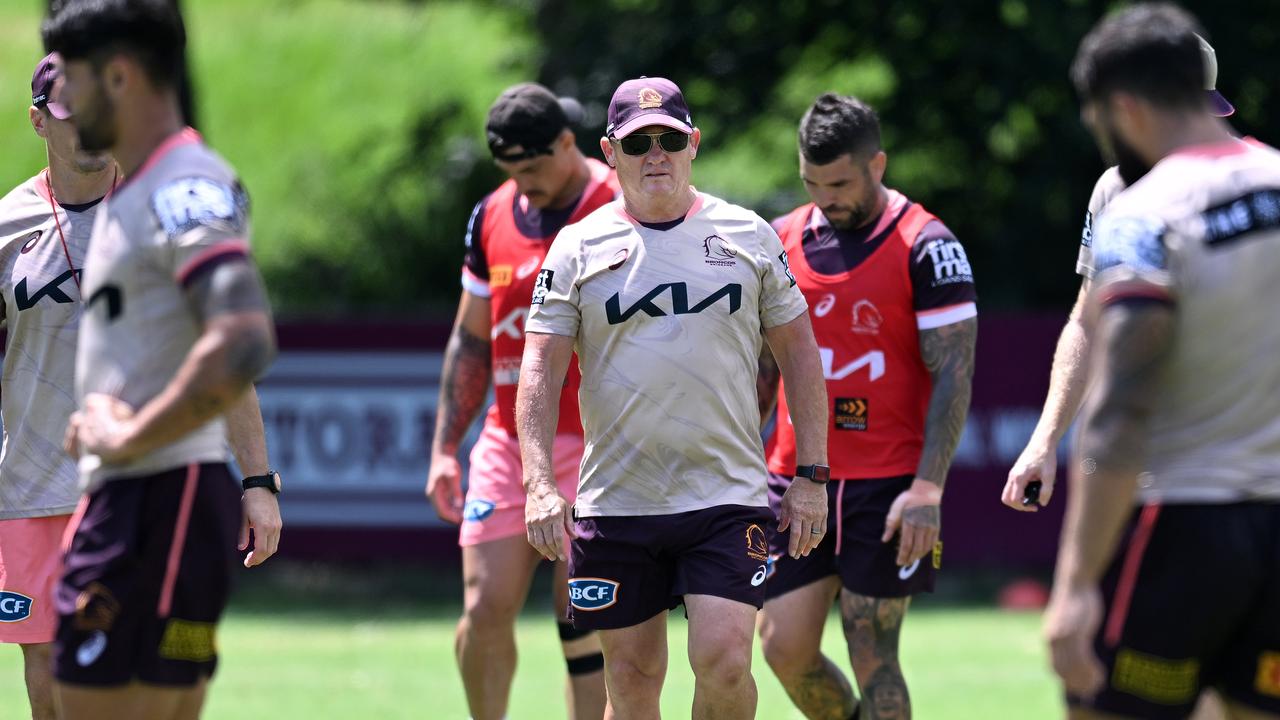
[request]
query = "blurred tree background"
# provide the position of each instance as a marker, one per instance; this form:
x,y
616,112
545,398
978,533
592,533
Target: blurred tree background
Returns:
x,y
357,125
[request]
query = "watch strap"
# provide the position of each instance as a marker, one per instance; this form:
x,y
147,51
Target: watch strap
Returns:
x,y
270,481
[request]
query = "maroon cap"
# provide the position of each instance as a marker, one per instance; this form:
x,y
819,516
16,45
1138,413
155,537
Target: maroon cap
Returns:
x,y
647,101
43,81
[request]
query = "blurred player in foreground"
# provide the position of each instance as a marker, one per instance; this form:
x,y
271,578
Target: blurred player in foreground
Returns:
x,y
667,295
175,328
1152,604
551,185
44,229
893,306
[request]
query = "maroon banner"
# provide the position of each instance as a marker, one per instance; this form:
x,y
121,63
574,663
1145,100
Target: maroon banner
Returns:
x,y
332,512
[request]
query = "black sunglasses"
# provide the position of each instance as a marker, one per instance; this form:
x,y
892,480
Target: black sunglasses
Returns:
x,y
639,143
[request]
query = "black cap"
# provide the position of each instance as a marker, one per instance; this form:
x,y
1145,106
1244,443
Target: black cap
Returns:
x,y
531,116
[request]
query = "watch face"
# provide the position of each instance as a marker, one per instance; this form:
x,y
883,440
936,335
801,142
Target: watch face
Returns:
x,y
275,480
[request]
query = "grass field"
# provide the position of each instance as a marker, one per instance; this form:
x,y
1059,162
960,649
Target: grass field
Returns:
x,y
291,651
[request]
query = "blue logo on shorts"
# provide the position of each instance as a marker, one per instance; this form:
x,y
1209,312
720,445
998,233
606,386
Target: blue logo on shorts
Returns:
x,y
477,510
592,593
14,607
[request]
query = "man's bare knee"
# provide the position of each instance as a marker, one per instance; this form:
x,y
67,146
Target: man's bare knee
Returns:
x,y
634,676
725,665
787,655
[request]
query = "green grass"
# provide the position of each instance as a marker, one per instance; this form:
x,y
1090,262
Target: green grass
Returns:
x,y
372,654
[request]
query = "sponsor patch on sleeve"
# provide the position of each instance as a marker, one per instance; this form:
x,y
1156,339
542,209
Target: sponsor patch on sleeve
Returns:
x,y
542,286
1136,242
786,268
187,203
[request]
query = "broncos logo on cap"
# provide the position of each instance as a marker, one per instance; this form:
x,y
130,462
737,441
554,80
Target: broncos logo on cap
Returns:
x,y
649,98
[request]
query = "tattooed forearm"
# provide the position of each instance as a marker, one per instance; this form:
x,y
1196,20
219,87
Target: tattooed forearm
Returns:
x,y
463,386
767,383
1131,347
948,354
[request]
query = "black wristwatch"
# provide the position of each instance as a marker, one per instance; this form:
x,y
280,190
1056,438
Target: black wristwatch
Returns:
x,y
270,481
817,473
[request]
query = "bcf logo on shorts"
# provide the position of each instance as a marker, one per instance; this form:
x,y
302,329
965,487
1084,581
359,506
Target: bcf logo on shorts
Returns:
x,y
477,510
592,593
14,607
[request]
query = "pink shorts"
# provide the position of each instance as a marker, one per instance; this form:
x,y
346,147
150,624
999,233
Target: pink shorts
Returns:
x,y
30,563
495,486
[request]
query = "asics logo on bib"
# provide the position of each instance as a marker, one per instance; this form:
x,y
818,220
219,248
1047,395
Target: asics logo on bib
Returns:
x,y
679,302
592,593
14,607
873,361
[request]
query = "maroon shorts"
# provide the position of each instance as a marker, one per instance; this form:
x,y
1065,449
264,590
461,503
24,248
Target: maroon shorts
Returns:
x,y
146,578
625,570
852,549
1191,602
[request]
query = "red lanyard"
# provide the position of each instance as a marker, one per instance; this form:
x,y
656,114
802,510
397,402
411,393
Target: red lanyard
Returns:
x,y
53,208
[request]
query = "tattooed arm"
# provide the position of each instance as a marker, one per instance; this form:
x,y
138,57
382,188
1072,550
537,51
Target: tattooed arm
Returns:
x,y
947,352
1131,345
767,379
464,384
236,345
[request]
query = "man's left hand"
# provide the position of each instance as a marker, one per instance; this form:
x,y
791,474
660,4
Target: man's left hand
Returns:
x,y
804,510
262,513
104,427
1070,623
917,512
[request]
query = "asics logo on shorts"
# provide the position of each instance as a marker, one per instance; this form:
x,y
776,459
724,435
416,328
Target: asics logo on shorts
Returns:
x,y
14,607
592,593
905,573
758,579
90,650
477,510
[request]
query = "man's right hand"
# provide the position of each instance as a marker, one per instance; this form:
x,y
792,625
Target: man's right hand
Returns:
x,y
444,487
804,510
547,520
1037,462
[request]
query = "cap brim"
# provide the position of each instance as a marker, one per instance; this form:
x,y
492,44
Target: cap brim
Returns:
x,y
1219,105
58,110
648,119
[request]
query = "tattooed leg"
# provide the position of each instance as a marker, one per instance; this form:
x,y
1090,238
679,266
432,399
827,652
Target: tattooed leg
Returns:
x,y
790,634
872,627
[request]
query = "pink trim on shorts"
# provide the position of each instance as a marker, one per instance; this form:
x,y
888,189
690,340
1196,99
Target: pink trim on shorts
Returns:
x,y
179,540
1129,573
839,515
